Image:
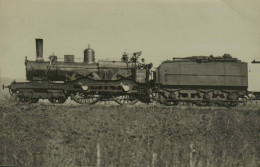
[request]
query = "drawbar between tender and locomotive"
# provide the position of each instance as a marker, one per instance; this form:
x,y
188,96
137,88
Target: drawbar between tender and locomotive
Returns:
x,y
200,80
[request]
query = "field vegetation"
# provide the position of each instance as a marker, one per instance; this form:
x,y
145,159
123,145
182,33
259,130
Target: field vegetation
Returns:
x,y
44,134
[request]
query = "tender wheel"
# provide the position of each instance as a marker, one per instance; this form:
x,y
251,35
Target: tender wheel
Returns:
x,y
166,101
231,104
171,103
83,98
126,99
34,100
57,101
203,103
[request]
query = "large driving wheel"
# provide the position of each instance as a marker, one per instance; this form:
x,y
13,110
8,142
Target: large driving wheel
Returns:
x,y
84,98
126,99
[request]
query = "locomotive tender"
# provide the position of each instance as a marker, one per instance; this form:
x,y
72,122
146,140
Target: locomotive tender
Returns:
x,y
201,80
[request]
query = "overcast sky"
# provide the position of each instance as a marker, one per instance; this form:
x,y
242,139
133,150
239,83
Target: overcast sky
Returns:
x,y
161,29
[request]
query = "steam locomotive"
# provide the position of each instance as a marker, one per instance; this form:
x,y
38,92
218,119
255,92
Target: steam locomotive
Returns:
x,y
200,80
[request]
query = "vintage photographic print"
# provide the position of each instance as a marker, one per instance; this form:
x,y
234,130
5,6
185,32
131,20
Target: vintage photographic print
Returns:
x,y
142,83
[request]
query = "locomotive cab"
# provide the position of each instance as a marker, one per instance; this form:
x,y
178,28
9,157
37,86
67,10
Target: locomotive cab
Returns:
x,y
140,69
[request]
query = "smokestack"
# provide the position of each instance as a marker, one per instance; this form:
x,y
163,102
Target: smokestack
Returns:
x,y
39,49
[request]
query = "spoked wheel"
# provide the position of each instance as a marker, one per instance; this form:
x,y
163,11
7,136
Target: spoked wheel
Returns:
x,y
231,104
84,98
27,100
24,99
57,100
171,103
202,103
126,99
245,99
34,100
166,101
11,93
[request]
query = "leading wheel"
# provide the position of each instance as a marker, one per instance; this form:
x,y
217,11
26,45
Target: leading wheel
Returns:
x,y
57,100
24,99
126,99
84,98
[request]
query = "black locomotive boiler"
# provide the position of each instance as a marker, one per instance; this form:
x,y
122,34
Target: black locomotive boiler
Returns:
x,y
86,82
200,80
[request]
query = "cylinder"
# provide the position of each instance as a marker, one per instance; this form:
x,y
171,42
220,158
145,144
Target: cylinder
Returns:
x,y
89,55
39,49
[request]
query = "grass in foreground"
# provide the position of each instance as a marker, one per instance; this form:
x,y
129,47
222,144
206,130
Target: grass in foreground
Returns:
x,y
51,135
